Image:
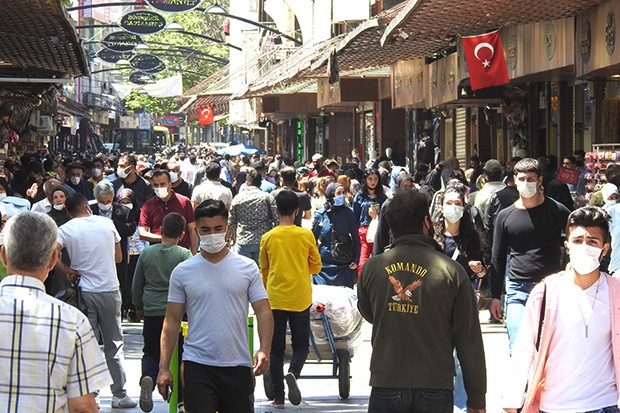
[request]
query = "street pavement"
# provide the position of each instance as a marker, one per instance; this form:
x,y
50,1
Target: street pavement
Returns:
x,y
321,394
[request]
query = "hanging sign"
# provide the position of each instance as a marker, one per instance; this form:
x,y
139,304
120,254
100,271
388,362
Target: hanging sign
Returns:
x,y
121,41
174,6
142,22
140,78
110,56
147,63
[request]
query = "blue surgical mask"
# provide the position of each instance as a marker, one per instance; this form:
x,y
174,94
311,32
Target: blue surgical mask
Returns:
x,y
339,200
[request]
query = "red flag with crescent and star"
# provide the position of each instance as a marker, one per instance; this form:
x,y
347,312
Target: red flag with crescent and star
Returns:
x,y
205,115
485,60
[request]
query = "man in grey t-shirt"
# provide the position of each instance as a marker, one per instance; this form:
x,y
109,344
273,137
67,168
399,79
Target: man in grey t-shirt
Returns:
x,y
215,288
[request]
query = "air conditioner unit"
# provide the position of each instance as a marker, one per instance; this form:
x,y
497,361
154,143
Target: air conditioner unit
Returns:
x,y
45,123
34,118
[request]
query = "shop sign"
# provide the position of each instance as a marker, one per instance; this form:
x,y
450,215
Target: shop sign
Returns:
x,y
585,42
174,6
169,121
110,56
147,62
121,41
610,33
398,83
512,51
408,80
420,77
451,77
142,22
550,40
139,78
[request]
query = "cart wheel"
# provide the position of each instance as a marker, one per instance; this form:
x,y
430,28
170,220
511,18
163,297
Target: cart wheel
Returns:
x,y
267,384
344,384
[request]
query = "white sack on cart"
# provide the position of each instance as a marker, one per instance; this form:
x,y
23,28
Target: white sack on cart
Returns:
x,y
340,308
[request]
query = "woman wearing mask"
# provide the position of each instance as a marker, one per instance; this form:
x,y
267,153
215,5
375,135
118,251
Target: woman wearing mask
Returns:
x,y
335,228
458,238
371,193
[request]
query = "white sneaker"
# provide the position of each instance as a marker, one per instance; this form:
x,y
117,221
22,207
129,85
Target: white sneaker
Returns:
x,y
124,403
146,394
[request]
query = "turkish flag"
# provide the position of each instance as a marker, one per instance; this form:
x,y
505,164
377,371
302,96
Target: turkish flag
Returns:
x,y
485,60
205,115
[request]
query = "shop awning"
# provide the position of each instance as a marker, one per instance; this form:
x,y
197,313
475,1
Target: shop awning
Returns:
x,y
218,101
426,26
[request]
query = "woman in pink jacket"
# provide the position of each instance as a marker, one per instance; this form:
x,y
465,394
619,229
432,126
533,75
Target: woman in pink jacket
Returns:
x,y
567,352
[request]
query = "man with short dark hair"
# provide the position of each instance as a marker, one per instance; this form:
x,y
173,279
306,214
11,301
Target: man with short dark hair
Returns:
x,y
215,288
252,214
212,188
178,183
150,293
493,174
265,185
50,357
164,202
289,182
75,180
422,308
530,232
128,178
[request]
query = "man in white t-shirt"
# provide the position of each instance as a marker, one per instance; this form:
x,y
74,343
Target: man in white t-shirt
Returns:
x,y
575,349
211,188
215,288
93,246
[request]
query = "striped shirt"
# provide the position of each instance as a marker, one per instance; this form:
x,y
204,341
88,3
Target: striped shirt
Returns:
x,y
48,352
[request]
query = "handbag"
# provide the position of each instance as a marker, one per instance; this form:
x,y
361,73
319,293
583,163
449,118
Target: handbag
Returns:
x,y
73,296
341,248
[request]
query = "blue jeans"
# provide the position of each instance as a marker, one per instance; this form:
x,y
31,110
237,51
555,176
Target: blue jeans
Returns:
x,y
460,395
395,400
250,250
299,323
609,409
517,293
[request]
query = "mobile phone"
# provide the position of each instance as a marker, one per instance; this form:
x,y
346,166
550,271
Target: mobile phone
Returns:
x,y
168,393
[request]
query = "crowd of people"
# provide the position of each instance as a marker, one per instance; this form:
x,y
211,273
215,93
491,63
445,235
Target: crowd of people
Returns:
x,y
200,237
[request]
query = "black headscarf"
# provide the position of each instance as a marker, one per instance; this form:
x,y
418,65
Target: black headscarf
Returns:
x,y
329,196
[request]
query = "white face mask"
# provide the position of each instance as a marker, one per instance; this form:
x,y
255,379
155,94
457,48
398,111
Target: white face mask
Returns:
x,y
174,176
122,172
339,200
75,180
527,189
2,196
96,172
161,192
213,243
610,202
104,207
453,213
130,206
584,258
59,207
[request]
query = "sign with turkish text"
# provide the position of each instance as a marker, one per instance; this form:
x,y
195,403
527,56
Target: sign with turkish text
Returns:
x,y
485,60
568,176
169,120
142,22
121,41
147,62
111,56
139,78
174,6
